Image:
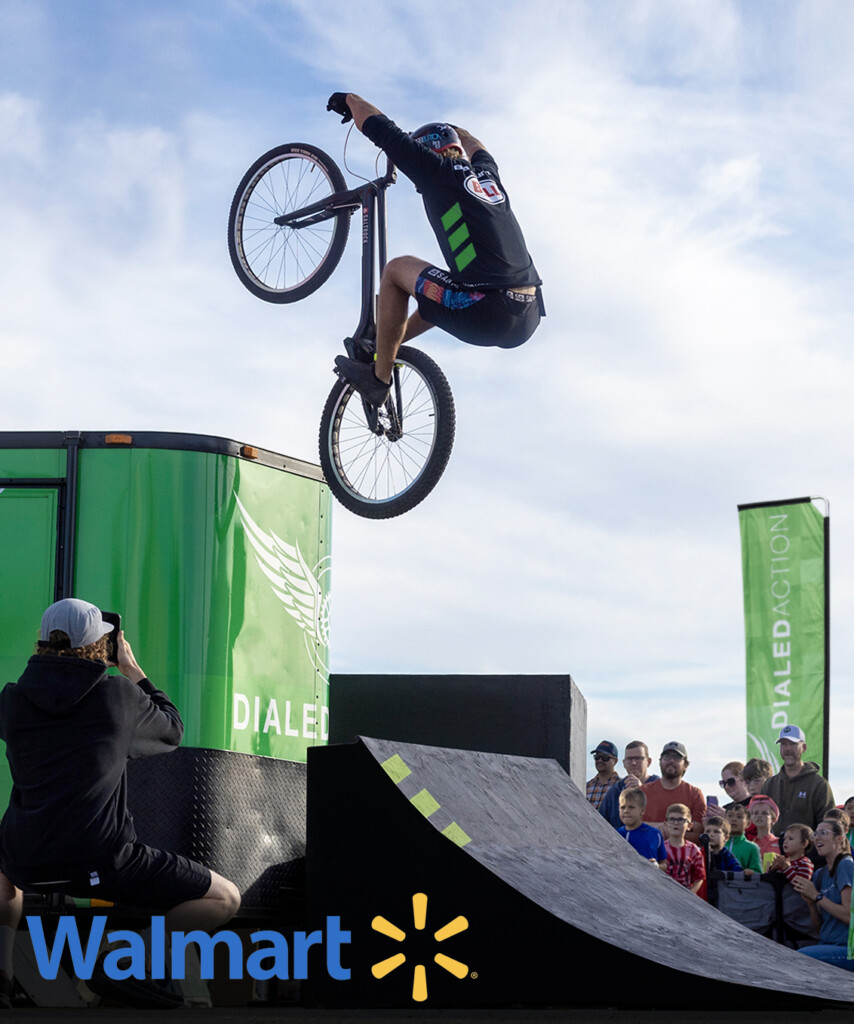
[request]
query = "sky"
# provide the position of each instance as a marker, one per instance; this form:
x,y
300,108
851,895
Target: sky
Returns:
x,y
682,171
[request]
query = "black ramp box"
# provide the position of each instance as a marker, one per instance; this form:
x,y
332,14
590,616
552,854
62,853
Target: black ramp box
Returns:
x,y
530,715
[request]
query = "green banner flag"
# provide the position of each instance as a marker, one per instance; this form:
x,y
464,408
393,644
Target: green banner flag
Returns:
x,y
784,551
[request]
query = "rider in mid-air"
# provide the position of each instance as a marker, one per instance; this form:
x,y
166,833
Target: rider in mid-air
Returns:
x,y
491,294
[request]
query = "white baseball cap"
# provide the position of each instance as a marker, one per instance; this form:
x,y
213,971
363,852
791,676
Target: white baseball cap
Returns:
x,y
80,621
792,732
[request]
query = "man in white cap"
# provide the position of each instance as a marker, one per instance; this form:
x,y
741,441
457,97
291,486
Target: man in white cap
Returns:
x,y
70,729
798,790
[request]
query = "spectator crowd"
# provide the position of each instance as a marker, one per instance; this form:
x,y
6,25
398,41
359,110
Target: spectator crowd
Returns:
x,y
781,827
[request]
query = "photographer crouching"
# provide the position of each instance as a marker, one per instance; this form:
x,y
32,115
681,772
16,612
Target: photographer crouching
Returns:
x,y
70,729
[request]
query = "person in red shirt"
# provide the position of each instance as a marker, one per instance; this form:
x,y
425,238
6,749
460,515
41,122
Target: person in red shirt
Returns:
x,y
685,861
793,861
670,788
763,813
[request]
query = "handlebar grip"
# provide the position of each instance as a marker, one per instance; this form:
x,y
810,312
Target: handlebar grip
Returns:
x,y
337,103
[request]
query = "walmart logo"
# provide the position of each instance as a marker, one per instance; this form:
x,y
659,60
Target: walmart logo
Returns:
x,y
419,975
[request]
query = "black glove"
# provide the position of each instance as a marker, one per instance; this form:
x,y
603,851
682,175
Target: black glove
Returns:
x,y
338,103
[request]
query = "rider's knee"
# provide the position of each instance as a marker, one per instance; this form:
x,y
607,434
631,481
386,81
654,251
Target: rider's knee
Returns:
x,y
402,271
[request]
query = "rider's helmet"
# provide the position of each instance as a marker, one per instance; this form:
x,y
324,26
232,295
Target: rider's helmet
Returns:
x,y
438,136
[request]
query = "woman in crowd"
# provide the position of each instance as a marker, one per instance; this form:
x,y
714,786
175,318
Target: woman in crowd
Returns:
x,y
828,895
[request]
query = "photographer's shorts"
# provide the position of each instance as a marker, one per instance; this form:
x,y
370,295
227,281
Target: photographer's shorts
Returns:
x,y
503,318
136,875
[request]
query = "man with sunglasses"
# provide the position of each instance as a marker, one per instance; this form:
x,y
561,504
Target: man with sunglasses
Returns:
x,y
670,789
605,758
636,761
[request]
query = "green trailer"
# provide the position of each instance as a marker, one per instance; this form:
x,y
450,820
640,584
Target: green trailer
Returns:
x,y
217,556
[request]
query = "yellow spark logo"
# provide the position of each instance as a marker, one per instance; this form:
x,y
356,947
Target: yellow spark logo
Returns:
x,y
419,916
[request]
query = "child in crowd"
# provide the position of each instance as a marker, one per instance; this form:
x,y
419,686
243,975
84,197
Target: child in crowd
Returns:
x,y
685,861
646,839
754,773
838,814
793,861
745,852
763,812
848,807
717,829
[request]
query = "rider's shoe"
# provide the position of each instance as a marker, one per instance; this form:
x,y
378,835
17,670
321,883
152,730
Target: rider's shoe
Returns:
x,y
363,379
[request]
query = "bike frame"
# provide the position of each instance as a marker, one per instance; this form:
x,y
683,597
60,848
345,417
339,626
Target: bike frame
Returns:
x,y
371,197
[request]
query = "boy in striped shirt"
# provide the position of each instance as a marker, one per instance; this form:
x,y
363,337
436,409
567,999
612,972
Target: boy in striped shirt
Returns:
x,y
793,861
685,861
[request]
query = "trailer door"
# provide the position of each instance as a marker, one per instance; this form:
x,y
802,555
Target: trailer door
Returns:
x,y
29,522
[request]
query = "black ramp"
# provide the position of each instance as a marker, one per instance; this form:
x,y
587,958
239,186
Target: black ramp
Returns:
x,y
558,908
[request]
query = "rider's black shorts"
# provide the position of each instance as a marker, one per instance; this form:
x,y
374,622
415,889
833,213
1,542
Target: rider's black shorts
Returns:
x,y
136,875
502,317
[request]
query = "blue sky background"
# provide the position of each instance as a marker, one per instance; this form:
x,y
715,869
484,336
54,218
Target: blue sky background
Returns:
x,y
683,173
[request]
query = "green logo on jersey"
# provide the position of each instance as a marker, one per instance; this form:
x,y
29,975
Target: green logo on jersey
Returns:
x,y
457,237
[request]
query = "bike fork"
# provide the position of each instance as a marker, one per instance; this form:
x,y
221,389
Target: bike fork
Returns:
x,y
393,407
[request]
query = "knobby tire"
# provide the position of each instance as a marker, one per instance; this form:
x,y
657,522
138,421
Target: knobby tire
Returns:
x,y
277,263
377,477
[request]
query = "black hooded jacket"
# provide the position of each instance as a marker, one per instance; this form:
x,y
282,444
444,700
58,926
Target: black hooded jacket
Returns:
x,y
70,729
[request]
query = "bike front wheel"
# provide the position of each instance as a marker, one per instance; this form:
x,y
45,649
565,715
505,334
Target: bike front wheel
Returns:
x,y
276,262
382,465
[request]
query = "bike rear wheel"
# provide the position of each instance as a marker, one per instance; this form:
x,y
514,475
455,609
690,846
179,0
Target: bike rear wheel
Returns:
x,y
383,472
275,262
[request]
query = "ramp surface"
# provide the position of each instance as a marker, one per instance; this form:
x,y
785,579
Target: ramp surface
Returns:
x,y
558,908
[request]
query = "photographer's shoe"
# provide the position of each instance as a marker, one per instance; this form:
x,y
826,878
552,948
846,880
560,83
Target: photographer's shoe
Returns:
x,y
144,995
362,377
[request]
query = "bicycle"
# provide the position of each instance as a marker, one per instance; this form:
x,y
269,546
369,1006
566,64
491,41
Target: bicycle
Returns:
x,y
287,229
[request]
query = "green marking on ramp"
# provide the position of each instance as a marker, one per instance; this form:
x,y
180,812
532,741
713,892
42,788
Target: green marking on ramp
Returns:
x,y
425,803
456,834
395,768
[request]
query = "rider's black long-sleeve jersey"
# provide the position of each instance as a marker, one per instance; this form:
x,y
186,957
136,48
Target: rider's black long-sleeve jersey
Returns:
x,y
467,207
